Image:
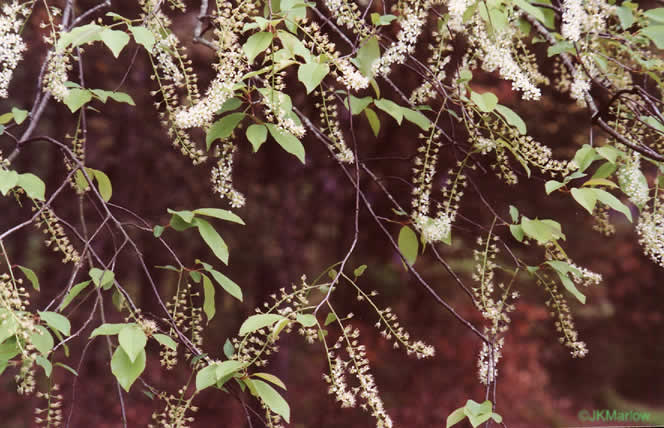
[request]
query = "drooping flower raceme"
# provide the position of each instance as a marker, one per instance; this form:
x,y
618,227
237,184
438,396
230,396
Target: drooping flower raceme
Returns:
x,y
651,233
11,44
411,27
229,70
574,18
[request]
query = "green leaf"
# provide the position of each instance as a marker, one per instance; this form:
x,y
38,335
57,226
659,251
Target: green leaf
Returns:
x,y
532,10
272,399
186,216
166,341
512,118
584,157
56,321
143,36
8,180
330,318
76,98
562,269
126,370
391,108
656,34
374,121
357,105
115,40
368,53
34,187
227,284
656,15
66,367
212,239
206,377
514,213
256,134
19,115
613,202
517,232
226,368
605,170
359,271
45,364
133,340
223,128
75,291
417,118
560,47
294,45
31,276
271,378
542,231
625,16
609,153
196,276
108,329
256,322
256,44
599,182
102,278
208,300
103,183
552,186
41,339
486,102
121,97
586,198
380,20
6,118
220,214
157,231
229,349
287,141
307,320
311,74
79,36
408,244
455,417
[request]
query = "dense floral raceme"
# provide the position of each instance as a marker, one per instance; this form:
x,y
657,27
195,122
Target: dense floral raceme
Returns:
x,y
11,43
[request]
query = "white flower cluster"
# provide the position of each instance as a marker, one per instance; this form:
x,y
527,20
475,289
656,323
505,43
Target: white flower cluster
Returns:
x,y
498,56
487,364
11,44
230,69
338,386
456,9
484,145
165,62
633,182
580,86
346,14
57,67
574,19
275,112
434,229
350,76
587,277
651,233
411,27
222,180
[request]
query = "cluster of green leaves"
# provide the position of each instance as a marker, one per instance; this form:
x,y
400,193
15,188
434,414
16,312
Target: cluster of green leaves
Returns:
x,y
476,413
128,361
